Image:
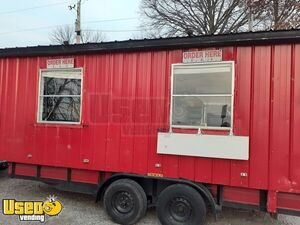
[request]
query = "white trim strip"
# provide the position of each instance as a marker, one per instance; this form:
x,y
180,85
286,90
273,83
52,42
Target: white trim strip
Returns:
x,y
60,96
204,95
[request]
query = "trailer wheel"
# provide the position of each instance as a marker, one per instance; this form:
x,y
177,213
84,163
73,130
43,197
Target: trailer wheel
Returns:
x,y
180,204
125,201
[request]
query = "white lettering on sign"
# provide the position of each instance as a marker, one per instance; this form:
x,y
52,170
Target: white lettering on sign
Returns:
x,y
202,56
60,63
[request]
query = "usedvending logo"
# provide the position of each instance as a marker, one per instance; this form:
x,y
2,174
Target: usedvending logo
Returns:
x,y
32,210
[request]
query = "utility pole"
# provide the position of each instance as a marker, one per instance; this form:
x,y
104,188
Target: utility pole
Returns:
x,y
78,23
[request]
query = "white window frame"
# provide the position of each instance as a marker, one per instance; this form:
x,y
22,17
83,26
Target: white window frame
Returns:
x,y
232,65
40,96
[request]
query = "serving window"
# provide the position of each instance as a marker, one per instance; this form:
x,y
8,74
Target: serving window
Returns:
x,y
202,95
60,96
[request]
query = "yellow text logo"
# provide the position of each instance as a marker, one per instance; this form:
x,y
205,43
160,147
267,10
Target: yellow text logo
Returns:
x,y
32,210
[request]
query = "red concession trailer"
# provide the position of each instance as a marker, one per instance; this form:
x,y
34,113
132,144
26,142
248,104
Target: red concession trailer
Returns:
x,y
179,123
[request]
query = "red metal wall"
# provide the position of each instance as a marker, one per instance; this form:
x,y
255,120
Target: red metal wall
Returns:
x,y
126,100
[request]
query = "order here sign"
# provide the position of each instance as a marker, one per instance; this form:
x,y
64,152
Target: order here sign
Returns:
x,y
202,56
60,63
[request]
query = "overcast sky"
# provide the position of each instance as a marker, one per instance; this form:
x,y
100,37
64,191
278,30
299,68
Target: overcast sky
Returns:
x,y
21,26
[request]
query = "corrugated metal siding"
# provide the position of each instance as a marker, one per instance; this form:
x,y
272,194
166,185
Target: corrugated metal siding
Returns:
x,y
126,101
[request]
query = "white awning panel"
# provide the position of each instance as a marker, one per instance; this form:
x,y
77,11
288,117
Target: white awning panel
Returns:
x,y
209,146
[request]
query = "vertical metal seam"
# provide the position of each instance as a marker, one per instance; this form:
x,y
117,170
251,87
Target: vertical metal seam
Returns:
x,y
252,81
149,113
292,98
1,95
137,67
150,123
16,86
109,77
26,88
105,72
270,145
89,112
5,98
122,103
121,60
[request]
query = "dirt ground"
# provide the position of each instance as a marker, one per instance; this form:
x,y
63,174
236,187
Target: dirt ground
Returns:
x,y
81,209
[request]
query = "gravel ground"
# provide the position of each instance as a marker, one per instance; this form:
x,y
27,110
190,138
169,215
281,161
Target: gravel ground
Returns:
x,y
82,209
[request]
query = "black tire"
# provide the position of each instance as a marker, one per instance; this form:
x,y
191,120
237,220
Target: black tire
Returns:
x,y
180,204
125,201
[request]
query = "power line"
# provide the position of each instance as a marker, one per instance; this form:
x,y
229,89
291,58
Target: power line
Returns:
x,y
45,28
26,30
111,20
54,26
37,7
49,27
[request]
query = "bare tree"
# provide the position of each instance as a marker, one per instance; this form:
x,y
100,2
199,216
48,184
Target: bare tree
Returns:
x,y
63,34
142,35
92,36
182,17
177,17
283,14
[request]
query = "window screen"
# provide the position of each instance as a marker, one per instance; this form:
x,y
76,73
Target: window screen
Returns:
x,y
202,95
60,96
